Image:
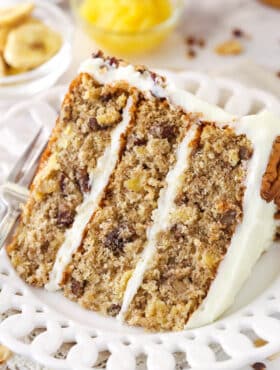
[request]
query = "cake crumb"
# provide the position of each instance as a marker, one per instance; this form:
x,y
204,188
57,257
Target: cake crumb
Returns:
x,y
5,354
259,366
193,43
260,342
230,47
201,42
190,40
237,32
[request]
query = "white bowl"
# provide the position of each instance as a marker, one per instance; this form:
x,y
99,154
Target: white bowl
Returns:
x,y
29,83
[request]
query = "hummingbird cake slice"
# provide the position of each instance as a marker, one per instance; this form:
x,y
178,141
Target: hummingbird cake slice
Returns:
x,y
148,205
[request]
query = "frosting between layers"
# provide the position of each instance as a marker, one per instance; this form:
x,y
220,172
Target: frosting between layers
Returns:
x,y
99,179
254,234
160,218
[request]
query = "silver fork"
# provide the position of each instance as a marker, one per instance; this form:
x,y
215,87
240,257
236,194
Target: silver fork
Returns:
x,y
14,191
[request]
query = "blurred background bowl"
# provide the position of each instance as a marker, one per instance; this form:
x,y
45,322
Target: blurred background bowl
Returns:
x,y
125,43
31,82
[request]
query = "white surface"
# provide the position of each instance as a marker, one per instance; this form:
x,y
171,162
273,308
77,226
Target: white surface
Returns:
x,y
65,321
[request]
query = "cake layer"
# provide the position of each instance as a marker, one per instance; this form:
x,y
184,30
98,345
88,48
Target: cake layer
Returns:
x,y
89,114
161,215
206,210
256,232
99,179
117,232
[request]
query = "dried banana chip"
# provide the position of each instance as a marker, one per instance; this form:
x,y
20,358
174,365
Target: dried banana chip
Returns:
x,y
15,14
231,47
2,66
33,20
30,45
5,354
11,71
4,31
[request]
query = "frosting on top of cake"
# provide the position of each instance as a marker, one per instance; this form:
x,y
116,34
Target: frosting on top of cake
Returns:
x,y
110,71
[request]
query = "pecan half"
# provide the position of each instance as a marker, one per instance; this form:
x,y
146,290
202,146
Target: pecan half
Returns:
x,y
270,187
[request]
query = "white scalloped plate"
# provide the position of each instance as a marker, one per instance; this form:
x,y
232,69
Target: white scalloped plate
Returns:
x,y
225,344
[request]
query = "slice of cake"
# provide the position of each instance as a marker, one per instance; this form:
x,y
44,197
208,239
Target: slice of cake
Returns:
x,y
148,204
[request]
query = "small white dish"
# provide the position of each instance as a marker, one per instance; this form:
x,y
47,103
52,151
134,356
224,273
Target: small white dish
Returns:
x,y
31,82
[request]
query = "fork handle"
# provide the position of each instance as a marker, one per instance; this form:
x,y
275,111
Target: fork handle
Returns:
x,y
7,224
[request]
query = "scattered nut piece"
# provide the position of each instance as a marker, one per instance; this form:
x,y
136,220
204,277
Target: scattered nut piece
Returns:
x,y
191,53
274,356
237,32
278,74
201,42
259,366
30,45
193,43
5,354
13,15
260,342
230,47
190,40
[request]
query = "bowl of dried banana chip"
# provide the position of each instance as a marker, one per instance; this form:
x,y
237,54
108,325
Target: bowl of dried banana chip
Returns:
x,y
35,46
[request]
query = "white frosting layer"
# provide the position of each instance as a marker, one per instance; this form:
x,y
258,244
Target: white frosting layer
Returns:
x,y
257,229
160,218
145,83
99,179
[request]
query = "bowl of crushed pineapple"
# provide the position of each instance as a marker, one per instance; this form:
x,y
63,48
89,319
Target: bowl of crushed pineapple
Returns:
x,y
127,26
